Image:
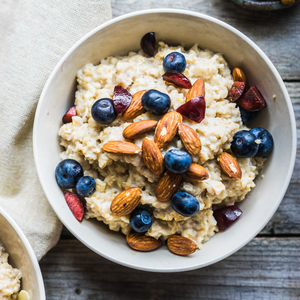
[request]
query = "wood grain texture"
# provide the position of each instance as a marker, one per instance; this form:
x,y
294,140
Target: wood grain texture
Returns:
x,y
266,268
276,33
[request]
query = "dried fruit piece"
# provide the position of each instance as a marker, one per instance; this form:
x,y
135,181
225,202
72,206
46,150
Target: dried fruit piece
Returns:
x,y
167,186
193,109
226,216
252,100
189,138
121,99
152,157
75,205
141,242
148,43
135,108
126,202
236,91
197,172
121,148
239,75
178,79
67,118
229,165
167,128
198,89
181,245
136,129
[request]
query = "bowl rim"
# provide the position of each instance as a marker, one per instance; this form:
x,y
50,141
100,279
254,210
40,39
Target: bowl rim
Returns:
x,y
286,181
34,261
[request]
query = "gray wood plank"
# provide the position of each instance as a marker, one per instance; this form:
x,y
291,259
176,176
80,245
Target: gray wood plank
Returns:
x,y
276,33
266,268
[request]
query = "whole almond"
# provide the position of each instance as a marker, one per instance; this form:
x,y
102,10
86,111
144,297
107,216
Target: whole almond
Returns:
x,y
141,242
126,202
239,75
167,186
197,172
198,89
152,157
229,165
189,138
135,108
167,128
121,148
181,245
136,129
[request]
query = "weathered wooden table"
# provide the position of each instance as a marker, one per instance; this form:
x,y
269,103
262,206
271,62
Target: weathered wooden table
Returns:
x,y
269,266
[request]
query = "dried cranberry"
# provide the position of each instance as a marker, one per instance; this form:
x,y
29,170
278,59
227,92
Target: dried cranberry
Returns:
x,y
226,216
193,109
67,118
252,100
178,79
148,43
121,99
236,91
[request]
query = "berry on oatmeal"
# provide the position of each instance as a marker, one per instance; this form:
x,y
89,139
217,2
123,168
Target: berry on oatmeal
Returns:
x,y
177,161
185,204
121,99
174,61
67,173
140,220
75,205
86,186
265,138
67,118
148,43
156,102
226,216
244,144
252,100
236,91
103,111
177,79
247,116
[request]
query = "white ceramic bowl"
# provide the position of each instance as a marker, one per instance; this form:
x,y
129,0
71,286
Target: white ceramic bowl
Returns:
x,y
118,37
21,256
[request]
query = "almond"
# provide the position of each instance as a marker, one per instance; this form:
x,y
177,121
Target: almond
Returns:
x,y
167,128
152,157
229,165
167,186
136,129
197,172
198,89
239,75
135,108
141,242
126,202
121,148
181,245
189,138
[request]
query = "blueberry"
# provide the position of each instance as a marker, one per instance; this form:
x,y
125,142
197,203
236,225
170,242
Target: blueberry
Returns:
x,y
185,204
156,102
103,111
266,141
243,144
67,173
247,116
174,61
140,220
177,161
86,186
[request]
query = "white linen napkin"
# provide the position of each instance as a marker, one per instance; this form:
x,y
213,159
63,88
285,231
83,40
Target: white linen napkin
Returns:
x,y
34,35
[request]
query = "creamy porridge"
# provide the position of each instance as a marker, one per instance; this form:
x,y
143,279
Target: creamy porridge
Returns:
x,y
9,278
83,140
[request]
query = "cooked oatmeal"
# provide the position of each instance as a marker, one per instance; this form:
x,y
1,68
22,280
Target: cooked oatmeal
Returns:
x,y
9,278
83,140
